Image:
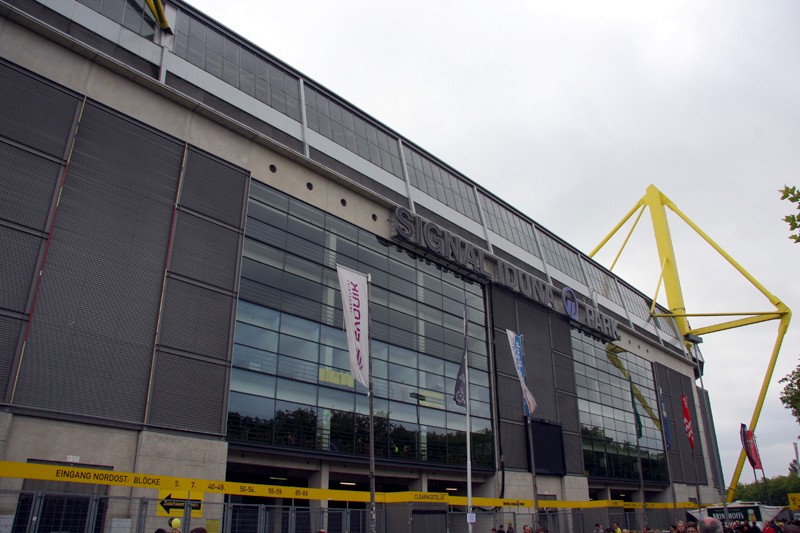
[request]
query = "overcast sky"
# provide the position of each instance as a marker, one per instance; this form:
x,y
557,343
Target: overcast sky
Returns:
x,y
569,110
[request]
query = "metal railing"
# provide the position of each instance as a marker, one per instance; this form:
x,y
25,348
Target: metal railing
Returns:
x,y
49,512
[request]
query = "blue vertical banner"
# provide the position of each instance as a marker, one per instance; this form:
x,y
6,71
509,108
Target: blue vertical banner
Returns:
x,y
515,341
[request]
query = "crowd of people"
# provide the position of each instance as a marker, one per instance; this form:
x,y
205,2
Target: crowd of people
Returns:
x,y
712,525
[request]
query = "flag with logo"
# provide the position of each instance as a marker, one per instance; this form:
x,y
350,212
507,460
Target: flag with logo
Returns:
x,y
664,419
516,352
460,392
687,420
354,287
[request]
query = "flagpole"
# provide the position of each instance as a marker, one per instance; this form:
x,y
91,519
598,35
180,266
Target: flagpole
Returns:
x,y
461,397
469,430
665,443
372,514
638,428
533,472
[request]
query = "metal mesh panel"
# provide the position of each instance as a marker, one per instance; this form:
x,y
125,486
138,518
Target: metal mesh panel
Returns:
x,y
509,398
35,113
573,454
512,441
17,263
565,373
214,189
568,411
196,319
66,370
205,251
28,185
9,335
187,393
91,338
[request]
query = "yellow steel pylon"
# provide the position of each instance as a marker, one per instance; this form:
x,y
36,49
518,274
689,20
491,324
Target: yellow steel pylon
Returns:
x,y
656,201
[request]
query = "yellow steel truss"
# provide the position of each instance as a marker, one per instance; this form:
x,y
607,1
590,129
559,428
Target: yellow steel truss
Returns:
x,y
657,202
157,9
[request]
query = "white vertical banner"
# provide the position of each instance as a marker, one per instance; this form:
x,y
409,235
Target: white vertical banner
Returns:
x,y
355,290
516,351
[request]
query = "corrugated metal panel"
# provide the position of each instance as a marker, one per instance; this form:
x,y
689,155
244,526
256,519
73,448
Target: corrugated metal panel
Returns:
x,y
29,183
565,373
188,393
512,441
18,264
205,251
35,113
91,337
9,335
568,411
573,453
214,189
196,319
66,370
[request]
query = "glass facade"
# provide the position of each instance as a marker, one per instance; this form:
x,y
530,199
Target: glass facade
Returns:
x,y
133,14
223,56
608,380
509,225
339,124
291,385
561,257
438,182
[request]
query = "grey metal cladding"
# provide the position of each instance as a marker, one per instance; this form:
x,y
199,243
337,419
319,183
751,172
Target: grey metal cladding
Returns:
x,y
513,442
188,393
205,251
20,251
568,411
509,398
29,183
91,338
573,453
67,370
35,113
565,373
10,329
196,319
214,189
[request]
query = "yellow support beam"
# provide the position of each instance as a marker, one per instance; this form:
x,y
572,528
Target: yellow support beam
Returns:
x,y
658,203
157,9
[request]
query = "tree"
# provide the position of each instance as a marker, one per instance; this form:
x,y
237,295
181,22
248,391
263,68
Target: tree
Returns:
x,y
792,194
790,395
773,491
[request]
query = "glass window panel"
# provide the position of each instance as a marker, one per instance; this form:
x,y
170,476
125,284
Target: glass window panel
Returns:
x,y
255,407
300,327
256,337
336,399
402,374
254,359
257,315
252,383
403,412
299,348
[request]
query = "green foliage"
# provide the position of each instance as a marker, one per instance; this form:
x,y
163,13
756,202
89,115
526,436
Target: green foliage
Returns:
x,y
792,194
790,395
773,491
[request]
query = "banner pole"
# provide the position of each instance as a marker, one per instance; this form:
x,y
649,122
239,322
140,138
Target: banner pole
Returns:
x,y
372,513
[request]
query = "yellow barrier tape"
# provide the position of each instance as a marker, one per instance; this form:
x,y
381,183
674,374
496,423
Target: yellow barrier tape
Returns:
x,y
73,474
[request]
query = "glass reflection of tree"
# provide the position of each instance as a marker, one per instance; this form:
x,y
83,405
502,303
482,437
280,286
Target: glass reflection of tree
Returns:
x,y
296,429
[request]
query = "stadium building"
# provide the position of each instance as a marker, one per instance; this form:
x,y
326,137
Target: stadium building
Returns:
x,y
173,205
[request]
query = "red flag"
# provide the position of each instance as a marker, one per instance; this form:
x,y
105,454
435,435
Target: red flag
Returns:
x,y
750,448
687,421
